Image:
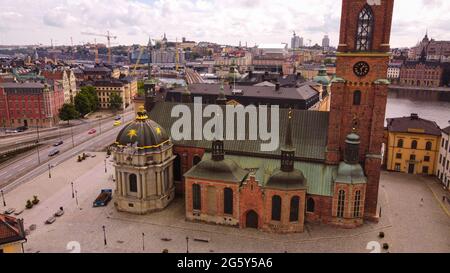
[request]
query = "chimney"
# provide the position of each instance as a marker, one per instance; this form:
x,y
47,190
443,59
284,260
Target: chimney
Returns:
x,y
277,87
414,116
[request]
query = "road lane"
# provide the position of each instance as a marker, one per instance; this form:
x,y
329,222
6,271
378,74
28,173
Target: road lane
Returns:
x,y
83,142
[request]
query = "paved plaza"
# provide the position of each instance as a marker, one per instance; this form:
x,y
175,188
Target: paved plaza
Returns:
x,y
409,224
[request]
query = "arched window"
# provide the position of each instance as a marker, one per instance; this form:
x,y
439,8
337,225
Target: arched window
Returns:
x,y
414,144
365,29
133,183
341,204
310,205
276,208
196,160
429,146
400,143
357,97
196,197
357,205
228,201
295,208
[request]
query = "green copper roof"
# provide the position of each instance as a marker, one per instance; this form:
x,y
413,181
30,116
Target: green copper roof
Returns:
x,y
309,133
322,78
319,176
350,174
224,170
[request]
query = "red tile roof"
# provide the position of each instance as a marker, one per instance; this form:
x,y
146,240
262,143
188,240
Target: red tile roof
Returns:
x,y
11,229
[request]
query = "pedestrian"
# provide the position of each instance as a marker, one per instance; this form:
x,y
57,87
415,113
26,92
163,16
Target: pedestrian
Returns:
x,y
421,202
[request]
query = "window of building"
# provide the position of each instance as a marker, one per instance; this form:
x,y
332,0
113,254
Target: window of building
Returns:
x,y
400,143
357,205
276,208
295,208
398,167
398,156
310,205
426,159
414,144
429,146
196,197
412,157
357,97
341,204
133,183
365,29
425,169
228,201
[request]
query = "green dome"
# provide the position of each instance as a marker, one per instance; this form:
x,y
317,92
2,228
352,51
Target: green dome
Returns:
x,y
353,139
350,174
143,133
322,77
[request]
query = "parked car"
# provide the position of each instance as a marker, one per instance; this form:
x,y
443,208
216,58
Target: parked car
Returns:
x,y
21,129
59,143
118,118
103,199
92,131
11,131
117,123
53,152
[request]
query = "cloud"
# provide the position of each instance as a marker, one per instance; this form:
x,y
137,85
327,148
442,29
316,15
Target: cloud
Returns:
x,y
223,21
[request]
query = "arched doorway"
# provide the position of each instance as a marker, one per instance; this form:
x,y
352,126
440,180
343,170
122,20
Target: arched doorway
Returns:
x,y
251,220
177,173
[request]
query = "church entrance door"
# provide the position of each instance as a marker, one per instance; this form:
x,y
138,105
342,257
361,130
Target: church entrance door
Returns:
x,y
251,220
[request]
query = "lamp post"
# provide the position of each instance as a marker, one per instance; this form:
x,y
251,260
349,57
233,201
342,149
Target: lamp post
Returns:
x,y
106,170
3,197
143,241
104,235
71,132
73,194
76,197
187,244
49,172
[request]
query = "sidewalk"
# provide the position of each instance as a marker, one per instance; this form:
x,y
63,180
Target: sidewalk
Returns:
x,y
439,193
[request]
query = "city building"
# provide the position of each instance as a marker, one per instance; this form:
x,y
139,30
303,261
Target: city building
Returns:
x,y
434,50
296,42
443,167
413,145
126,88
326,42
394,72
30,104
12,235
68,80
422,73
143,162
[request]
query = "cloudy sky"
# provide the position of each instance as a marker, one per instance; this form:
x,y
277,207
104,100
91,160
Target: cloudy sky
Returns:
x,y
223,21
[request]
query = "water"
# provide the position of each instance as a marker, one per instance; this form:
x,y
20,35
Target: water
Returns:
x,y
431,110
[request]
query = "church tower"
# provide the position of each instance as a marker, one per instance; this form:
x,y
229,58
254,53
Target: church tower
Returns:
x,y
360,88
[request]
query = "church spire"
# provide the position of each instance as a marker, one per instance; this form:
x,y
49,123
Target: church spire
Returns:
x,y
288,150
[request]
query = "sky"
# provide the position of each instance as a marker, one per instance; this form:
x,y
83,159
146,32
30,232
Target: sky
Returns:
x,y
253,22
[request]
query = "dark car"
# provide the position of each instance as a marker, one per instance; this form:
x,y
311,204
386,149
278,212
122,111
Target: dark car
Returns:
x,y
118,118
53,152
59,143
21,129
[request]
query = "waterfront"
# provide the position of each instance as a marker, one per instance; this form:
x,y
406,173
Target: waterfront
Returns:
x,y
432,110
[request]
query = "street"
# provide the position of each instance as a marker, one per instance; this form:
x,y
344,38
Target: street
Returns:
x,y
35,162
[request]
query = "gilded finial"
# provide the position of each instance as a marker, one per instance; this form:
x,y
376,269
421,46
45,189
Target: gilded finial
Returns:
x,y
142,113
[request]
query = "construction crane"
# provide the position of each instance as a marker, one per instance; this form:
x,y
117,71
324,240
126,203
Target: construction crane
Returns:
x,y
108,36
141,52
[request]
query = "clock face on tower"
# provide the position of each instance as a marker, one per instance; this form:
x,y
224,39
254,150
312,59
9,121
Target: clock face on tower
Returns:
x,y
361,69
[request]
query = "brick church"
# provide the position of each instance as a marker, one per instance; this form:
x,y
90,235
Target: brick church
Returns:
x,y
327,168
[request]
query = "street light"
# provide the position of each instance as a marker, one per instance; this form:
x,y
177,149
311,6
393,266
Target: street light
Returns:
x,y
187,244
73,194
76,197
104,235
106,170
3,197
49,173
143,241
71,132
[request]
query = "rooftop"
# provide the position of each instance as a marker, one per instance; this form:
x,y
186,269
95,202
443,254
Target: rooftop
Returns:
x,y
11,229
413,124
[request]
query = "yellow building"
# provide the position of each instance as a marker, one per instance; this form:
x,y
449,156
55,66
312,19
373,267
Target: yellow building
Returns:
x,y
413,145
12,235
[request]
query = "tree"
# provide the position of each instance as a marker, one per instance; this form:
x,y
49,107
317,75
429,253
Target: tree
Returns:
x,y
141,90
82,104
115,102
91,94
68,112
